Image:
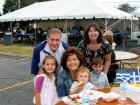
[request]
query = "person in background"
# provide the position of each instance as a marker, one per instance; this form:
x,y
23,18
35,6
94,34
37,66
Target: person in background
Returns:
x,y
97,77
95,46
51,46
82,83
113,67
70,62
108,35
39,34
44,87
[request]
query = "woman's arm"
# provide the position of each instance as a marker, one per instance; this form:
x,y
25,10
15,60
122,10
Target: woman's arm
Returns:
x,y
61,89
107,63
106,81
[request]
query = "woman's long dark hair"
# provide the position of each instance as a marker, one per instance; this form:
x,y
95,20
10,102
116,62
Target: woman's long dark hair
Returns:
x,y
86,39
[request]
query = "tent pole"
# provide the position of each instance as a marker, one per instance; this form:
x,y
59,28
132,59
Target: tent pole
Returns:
x,y
17,24
124,29
105,24
10,26
124,25
35,26
65,25
65,30
131,26
137,25
113,25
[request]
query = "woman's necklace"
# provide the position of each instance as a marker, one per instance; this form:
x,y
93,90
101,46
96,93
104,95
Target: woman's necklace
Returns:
x,y
94,48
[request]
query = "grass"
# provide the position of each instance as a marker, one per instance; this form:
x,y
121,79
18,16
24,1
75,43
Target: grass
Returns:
x,y
18,49
26,50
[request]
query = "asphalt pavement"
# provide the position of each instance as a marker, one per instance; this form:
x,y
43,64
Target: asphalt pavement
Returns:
x,y
16,82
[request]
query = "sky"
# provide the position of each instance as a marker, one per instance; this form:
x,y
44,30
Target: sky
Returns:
x,y
113,3
1,5
116,3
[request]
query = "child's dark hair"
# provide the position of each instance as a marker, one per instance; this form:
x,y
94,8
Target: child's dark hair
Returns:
x,y
43,63
97,61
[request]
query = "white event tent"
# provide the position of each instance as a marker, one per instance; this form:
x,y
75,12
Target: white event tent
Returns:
x,y
65,9
26,13
79,9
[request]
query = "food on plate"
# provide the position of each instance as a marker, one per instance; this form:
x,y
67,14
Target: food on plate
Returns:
x,y
75,98
78,97
81,84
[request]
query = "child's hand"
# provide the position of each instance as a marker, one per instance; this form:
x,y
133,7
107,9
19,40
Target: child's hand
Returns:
x,y
81,84
78,89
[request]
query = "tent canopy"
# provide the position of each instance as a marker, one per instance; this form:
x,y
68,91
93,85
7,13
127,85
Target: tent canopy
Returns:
x,y
79,9
65,9
26,13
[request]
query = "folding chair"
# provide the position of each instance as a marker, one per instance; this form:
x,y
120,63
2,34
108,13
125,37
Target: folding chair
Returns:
x,y
129,65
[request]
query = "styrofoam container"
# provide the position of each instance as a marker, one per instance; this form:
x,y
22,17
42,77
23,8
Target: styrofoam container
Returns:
x,y
133,93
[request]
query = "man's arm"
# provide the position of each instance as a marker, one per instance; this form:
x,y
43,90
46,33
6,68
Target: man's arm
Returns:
x,y
35,62
36,57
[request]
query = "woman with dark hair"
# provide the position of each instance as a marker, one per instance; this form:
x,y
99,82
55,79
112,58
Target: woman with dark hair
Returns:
x,y
95,46
71,61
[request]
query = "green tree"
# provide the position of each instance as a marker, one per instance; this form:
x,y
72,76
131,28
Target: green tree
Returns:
x,y
126,7
11,5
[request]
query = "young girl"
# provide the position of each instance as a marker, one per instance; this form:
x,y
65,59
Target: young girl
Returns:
x,y
44,88
97,76
82,82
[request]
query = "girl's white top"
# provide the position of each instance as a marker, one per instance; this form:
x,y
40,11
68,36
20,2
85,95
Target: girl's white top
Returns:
x,y
48,93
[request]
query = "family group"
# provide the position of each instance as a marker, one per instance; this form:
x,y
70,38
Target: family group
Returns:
x,y
61,70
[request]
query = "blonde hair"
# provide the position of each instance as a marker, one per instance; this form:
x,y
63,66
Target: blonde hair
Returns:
x,y
109,38
83,69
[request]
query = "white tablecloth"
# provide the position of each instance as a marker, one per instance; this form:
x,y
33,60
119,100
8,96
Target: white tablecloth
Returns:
x,y
122,55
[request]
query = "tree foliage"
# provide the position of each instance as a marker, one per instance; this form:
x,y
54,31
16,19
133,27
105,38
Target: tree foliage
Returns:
x,y
9,6
126,7
12,5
